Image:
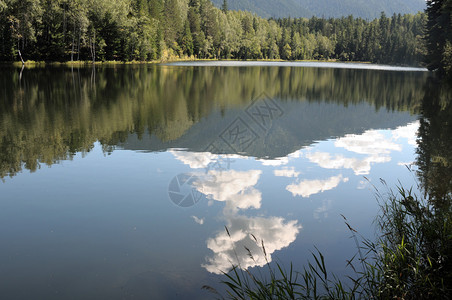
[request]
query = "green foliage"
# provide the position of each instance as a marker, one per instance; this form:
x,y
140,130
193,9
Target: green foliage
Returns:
x,y
447,58
416,255
172,23
186,40
286,52
439,36
126,30
2,6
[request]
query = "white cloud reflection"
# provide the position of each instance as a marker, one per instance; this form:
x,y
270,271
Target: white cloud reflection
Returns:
x,y
406,164
286,172
201,160
359,166
196,160
279,161
373,144
306,188
236,188
274,231
408,132
199,221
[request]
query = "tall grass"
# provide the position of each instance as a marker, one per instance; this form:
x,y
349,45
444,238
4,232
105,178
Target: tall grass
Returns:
x,y
416,247
410,259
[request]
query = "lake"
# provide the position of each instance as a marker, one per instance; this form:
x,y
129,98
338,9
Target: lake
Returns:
x,y
118,181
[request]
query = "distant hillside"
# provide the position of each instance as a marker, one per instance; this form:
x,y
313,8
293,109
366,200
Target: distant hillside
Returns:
x,y
368,9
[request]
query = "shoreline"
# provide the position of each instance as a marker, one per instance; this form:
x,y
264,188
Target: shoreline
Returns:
x,y
33,64
163,61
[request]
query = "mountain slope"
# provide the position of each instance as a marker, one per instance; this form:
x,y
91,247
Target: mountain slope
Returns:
x,y
367,9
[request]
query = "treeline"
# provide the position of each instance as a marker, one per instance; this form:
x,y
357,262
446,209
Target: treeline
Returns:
x,y
126,30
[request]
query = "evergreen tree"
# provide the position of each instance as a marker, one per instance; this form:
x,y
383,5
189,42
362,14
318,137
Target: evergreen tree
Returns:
x,y
439,35
155,9
224,7
172,22
186,40
194,20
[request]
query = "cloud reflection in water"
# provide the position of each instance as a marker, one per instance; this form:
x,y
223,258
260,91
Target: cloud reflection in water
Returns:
x,y
237,189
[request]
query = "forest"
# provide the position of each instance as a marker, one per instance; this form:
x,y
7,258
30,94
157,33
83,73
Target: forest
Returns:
x,y
143,30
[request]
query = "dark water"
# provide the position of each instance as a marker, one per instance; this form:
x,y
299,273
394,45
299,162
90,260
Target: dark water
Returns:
x,y
118,181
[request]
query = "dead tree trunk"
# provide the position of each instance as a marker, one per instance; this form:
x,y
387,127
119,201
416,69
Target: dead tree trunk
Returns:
x,y
21,71
20,55
18,50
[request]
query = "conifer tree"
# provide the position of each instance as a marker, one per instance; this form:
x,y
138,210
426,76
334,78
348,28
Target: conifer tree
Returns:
x,y
224,7
439,35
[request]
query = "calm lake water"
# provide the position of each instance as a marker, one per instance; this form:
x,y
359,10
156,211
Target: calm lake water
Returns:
x,y
118,181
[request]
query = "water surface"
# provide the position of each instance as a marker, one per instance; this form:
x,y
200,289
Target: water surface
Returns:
x,y
306,64
118,181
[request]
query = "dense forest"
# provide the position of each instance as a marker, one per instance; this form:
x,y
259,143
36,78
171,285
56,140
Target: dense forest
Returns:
x,y
126,30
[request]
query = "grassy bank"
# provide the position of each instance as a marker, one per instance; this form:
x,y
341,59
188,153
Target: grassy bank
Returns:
x,y
410,259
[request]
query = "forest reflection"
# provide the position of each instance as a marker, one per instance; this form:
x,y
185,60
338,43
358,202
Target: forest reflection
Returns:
x,y
50,114
434,155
